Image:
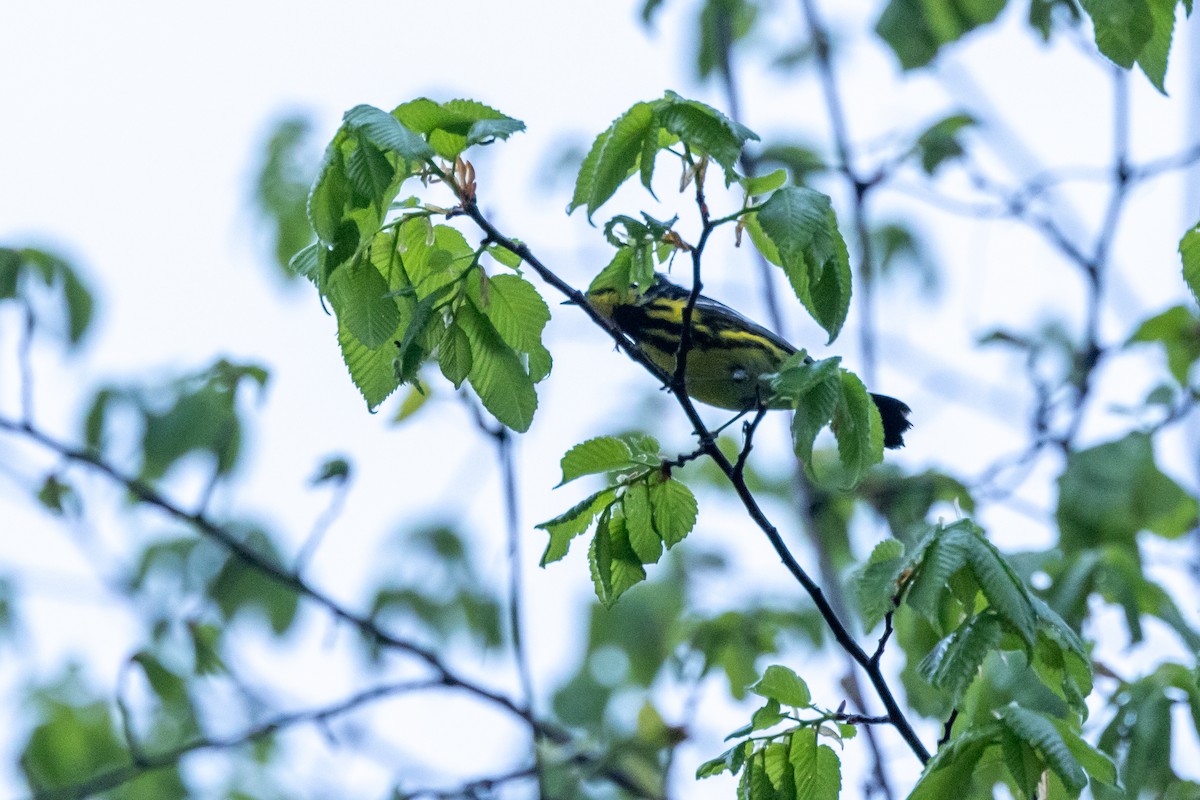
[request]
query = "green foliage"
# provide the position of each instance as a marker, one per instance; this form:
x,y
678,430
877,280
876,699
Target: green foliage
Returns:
x,y
1143,733
722,23
796,228
789,764
822,393
916,30
940,142
429,580
1178,331
1189,253
642,510
634,139
1110,492
77,735
196,413
1138,32
281,190
27,274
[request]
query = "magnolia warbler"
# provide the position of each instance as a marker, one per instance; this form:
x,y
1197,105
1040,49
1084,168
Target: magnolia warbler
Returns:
x,y
729,357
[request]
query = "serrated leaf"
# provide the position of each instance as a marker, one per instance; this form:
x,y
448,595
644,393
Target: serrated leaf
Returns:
x,y
505,256
674,510
517,310
705,130
858,428
944,555
573,522
645,541
817,769
1003,588
454,355
497,374
1097,764
595,456
613,158
782,684
359,296
1153,56
956,660
370,369
802,227
1123,27
615,567
876,583
814,409
1039,733
386,132
1189,254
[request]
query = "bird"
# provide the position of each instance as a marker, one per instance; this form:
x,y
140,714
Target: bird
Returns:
x,y
730,358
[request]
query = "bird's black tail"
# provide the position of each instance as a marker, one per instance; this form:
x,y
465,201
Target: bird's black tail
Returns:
x,y
895,419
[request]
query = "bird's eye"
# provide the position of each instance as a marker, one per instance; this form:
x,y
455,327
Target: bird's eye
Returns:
x,y
737,374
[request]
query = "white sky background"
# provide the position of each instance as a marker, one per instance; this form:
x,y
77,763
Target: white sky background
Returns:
x,y
130,131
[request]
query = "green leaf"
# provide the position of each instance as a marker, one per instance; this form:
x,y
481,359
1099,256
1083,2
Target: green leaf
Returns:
x,y
615,567
858,428
645,541
764,184
359,295
387,133
673,507
956,660
944,554
1097,764
505,256
730,761
1110,492
1153,56
940,142
1003,588
785,686
1040,733
1189,253
370,368
58,497
814,407
1123,27
917,29
705,130
573,522
239,586
876,583
818,771
802,228
497,374
595,456
1178,330
613,158
516,309
454,355
454,126
206,648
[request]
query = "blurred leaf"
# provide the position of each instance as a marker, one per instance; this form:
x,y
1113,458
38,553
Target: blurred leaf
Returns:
x,y
336,469
58,497
27,273
722,23
284,173
1110,492
1042,14
239,587
1178,331
940,142
917,29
